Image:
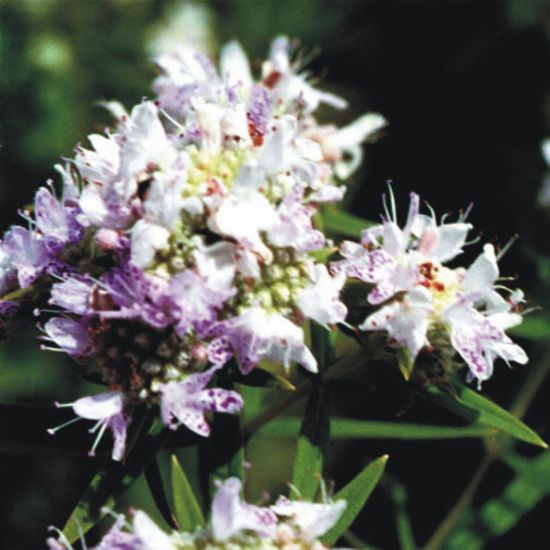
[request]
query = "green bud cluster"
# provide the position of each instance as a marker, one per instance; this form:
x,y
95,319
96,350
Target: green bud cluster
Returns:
x,y
223,166
277,288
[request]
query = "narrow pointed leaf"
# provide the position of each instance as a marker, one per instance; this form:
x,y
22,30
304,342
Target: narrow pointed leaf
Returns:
x,y
187,510
355,493
156,486
479,409
345,428
311,446
533,327
343,223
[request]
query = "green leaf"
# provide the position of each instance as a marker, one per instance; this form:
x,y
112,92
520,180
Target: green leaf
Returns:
x,y
355,493
343,223
405,362
113,481
187,510
479,409
311,446
344,428
533,327
156,487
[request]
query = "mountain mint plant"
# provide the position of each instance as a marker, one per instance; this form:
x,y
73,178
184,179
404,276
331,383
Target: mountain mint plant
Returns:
x,y
186,256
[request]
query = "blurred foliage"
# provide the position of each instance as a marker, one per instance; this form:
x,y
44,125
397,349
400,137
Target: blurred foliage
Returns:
x,y
465,87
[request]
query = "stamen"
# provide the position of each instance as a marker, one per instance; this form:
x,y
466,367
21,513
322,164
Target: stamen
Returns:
x,y
53,431
385,206
26,215
48,348
507,247
172,120
94,428
61,536
392,203
98,439
294,489
464,215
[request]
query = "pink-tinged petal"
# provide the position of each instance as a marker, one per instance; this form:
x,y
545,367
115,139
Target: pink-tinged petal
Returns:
x,y
220,400
406,321
412,215
147,239
27,253
255,335
230,515
293,227
313,519
117,538
482,274
149,535
99,407
186,402
234,65
451,240
470,349
320,300
71,336
220,351
73,294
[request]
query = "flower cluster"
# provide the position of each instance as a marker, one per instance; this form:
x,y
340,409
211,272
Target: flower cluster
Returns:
x,y
235,524
421,302
184,238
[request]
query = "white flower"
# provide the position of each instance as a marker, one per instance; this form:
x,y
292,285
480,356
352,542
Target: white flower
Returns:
x,y
416,293
320,300
257,335
313,519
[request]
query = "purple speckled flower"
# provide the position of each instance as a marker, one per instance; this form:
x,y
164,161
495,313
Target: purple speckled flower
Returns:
x,y
186,402
231,515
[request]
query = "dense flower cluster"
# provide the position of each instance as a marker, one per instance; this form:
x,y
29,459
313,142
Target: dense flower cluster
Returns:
x,y
234,524
421,302
183,238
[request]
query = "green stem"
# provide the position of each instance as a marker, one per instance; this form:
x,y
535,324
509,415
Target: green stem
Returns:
x,y
272,412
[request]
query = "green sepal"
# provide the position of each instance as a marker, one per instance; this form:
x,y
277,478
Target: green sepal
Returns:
x,y
405,362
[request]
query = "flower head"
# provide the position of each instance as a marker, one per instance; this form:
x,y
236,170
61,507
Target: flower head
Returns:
x,y
418,299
